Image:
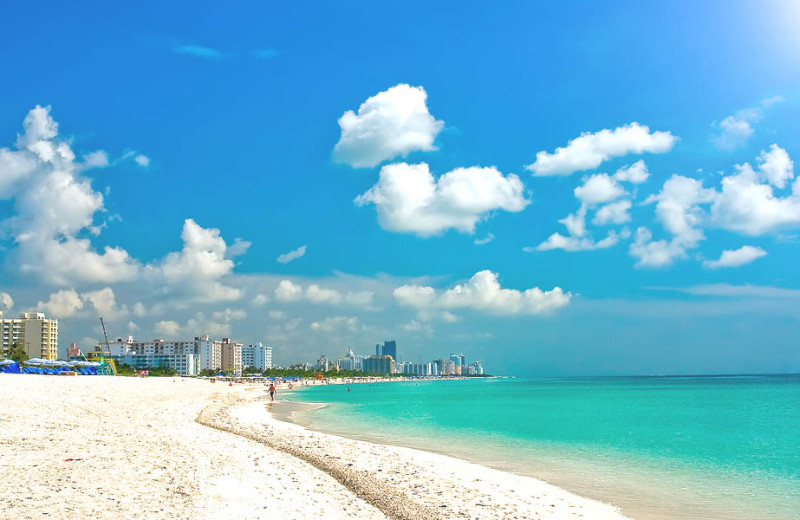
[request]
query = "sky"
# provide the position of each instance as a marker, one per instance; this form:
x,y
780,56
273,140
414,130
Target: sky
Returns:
x,y
553,188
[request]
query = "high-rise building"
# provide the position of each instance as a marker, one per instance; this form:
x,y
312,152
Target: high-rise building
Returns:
x,y
389,349
231,356
379,365
351,362
257,355
33,331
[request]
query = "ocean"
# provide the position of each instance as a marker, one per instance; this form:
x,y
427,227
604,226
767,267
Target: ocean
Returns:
x,y
718,447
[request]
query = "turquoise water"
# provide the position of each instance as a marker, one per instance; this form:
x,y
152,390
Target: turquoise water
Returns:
x,y
668,447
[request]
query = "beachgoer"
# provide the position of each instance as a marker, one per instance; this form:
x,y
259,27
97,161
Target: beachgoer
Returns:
x,y
272,391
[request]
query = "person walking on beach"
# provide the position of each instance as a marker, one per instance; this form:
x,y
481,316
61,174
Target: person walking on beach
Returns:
x,y
272,391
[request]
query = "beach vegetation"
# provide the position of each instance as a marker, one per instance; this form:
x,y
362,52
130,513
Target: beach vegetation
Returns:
x,y
17,353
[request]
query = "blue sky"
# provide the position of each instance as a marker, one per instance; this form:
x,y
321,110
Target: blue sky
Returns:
x,y
424,154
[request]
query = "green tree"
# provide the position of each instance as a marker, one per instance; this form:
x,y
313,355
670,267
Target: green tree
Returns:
x,y
17,353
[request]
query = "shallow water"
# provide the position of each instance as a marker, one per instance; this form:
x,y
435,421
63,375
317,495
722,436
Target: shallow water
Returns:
x,y
663,447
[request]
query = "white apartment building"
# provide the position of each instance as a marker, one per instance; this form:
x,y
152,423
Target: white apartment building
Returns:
x,y
186,357
351,362
34,331
257,355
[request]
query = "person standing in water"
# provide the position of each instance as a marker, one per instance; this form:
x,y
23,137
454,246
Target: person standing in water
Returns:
x,y
272,391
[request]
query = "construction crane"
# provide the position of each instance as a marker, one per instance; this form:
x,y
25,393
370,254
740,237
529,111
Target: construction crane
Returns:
x,y
108,347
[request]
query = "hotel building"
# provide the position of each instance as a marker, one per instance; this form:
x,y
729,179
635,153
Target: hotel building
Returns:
x,y
257,355
34,331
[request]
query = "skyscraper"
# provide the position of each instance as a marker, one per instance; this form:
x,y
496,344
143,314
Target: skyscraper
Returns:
x,y
390,349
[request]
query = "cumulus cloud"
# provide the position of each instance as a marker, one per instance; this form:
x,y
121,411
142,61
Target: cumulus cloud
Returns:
x,y
104,301
98,159
167,328
408,199
590,150
335,323
735,258
42,173
288,291
678,208
749,206
613,213
198,269
142,160
736,130
483,292
62,304
292,255
658,253
260,299
389,124
576,243
599,189
6,300
635,173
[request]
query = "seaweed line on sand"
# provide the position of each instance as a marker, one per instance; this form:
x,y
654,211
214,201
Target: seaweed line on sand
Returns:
x,y
392,503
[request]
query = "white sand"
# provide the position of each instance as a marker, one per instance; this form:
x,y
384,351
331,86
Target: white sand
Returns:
x,y
137,452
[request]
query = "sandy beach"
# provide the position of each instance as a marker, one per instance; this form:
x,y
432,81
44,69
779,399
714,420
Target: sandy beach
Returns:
x,y
103,447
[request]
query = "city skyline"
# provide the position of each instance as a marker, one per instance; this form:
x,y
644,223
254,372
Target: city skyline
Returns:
x,y
580,191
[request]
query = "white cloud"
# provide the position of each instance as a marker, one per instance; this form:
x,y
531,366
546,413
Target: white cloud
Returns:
x,y
735,258
260,299
103,301
482,241
229,315
335,323
142,160
614,213
42,173
238,248
573,243
734,132
168,328
409,200
737,129
139,309
483,292
286,291
316,294
277,315
635,173
61,304
361,298
198,51
98,159
6,300
776,166
599,189
197,270
746,205
659,253
575,222
389,124
590,150
678,208
132,327
292,255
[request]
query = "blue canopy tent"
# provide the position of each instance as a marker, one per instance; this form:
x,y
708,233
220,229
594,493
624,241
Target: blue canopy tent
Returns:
x,y
9,366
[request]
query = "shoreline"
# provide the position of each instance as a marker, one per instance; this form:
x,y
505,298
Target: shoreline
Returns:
x,y
647,493
109,448
445,486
